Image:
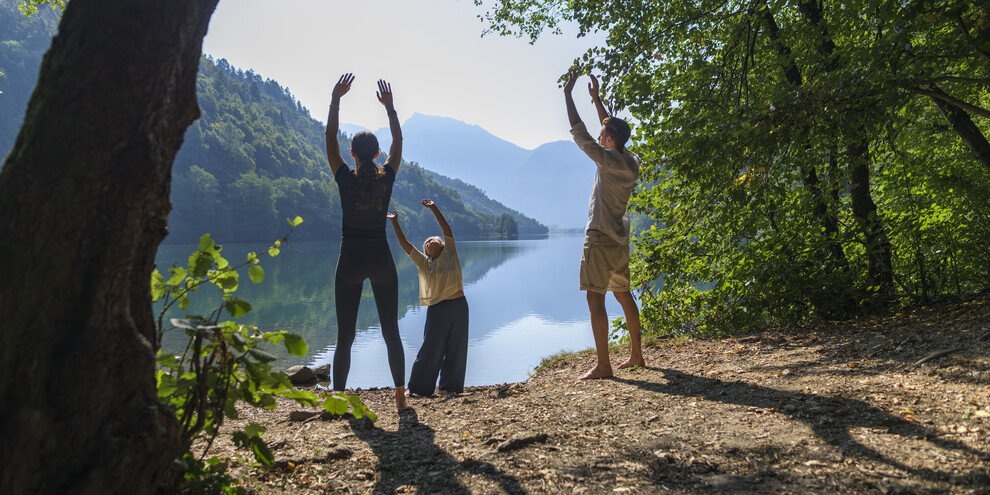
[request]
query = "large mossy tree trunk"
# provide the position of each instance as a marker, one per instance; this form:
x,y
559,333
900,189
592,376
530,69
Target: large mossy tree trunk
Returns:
x,y
83,206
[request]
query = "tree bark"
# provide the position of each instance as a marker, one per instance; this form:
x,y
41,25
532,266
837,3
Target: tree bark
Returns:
x,y
880,272
833,253
83,206
967,130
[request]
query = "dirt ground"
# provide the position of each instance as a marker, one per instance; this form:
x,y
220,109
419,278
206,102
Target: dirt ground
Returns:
x,y
837,407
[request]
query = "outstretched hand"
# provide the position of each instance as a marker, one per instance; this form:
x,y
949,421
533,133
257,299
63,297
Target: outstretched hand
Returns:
x,y
384,94
569,85
393,215
593,87
429,203
343,85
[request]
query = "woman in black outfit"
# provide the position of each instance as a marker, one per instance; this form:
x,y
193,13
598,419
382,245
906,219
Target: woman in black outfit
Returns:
x,y
364,196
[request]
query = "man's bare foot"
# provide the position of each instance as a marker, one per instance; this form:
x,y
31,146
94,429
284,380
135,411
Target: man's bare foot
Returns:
x,y
633,362
400,398
596,373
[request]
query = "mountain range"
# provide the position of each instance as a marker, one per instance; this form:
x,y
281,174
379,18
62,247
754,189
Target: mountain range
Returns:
x,y
550,183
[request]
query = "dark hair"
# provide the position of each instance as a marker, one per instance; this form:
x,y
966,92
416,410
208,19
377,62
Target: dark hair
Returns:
x,y
618,129
365,147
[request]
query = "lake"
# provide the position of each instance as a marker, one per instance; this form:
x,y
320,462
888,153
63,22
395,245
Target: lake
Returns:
x,y
523,297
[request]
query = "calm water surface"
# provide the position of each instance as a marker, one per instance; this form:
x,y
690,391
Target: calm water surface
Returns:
x,y
523,297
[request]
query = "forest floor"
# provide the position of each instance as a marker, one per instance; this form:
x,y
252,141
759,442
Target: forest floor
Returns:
x,y
835,407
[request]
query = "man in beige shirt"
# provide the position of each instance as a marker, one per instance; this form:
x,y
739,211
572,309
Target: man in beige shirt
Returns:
x,y
605,257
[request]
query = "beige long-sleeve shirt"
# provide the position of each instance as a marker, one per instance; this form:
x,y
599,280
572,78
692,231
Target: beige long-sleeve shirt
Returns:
x,y
614,181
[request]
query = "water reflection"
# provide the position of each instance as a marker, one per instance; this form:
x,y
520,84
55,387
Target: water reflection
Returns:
x,y
523,295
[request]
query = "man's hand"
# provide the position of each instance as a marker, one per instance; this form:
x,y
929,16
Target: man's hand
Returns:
x,y
429,203
593,88
393,216
384,94
569,85
343,86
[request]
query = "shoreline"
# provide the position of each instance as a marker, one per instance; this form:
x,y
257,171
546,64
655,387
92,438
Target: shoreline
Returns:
x,y
830,407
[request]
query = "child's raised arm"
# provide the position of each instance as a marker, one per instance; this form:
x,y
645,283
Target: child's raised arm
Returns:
x,y
394,217
443,221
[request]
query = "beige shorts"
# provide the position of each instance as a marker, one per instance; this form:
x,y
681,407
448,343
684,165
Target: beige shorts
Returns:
x,y
604,263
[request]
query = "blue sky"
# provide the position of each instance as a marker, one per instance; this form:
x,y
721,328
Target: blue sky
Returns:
x,y
430,50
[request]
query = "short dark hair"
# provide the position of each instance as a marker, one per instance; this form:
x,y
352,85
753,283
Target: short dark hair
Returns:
x,y
618,129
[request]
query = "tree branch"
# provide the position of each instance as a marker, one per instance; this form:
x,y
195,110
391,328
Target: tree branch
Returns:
x,y
941,95
969,39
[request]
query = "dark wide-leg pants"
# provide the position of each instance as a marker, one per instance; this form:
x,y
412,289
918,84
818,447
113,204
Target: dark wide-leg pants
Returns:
x,y
444,351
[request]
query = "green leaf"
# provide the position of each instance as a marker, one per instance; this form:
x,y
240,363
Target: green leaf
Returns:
x,y
261,452
237,307
227,280
273,251
228,408
256,273
296,345
304,397
206,243
336,404
260,355
178,275
254,429
294,222
253,257
157,286
199,264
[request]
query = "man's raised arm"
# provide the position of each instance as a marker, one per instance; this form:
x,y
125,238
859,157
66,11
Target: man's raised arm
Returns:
x,y
596,97
572,113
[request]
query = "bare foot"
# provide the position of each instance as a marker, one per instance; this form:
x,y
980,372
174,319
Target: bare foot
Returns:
x,y
400,398
596,373
633,362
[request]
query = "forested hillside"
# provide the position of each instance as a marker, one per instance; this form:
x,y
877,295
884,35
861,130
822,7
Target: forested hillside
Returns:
x,y
256,157
253,158
476,199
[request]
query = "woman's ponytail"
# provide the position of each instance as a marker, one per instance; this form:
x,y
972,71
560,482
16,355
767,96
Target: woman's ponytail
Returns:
x,y
365,147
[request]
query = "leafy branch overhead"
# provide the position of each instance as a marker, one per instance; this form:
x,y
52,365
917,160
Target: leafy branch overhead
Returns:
x,y
801,159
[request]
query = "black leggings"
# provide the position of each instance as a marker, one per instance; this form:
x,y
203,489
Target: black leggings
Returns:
x,y
360,259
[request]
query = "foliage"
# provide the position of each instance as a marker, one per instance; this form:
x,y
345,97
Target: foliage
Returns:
x,y
800,159
30,7
224,362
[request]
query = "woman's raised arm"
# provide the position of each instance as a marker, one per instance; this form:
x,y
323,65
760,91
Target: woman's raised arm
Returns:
x,y
395,152
333,122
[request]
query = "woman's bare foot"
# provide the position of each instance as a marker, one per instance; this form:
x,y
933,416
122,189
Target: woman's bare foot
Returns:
x,y
633,362
597,372
400,398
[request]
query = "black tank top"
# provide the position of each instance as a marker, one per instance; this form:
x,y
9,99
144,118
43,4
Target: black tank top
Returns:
x,y
362,222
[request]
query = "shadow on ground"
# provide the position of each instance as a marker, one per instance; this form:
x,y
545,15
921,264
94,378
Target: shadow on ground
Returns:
x,y
410,458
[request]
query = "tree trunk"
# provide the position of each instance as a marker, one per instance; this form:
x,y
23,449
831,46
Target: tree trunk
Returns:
x,y
967,130
833,253
83,206
880,271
